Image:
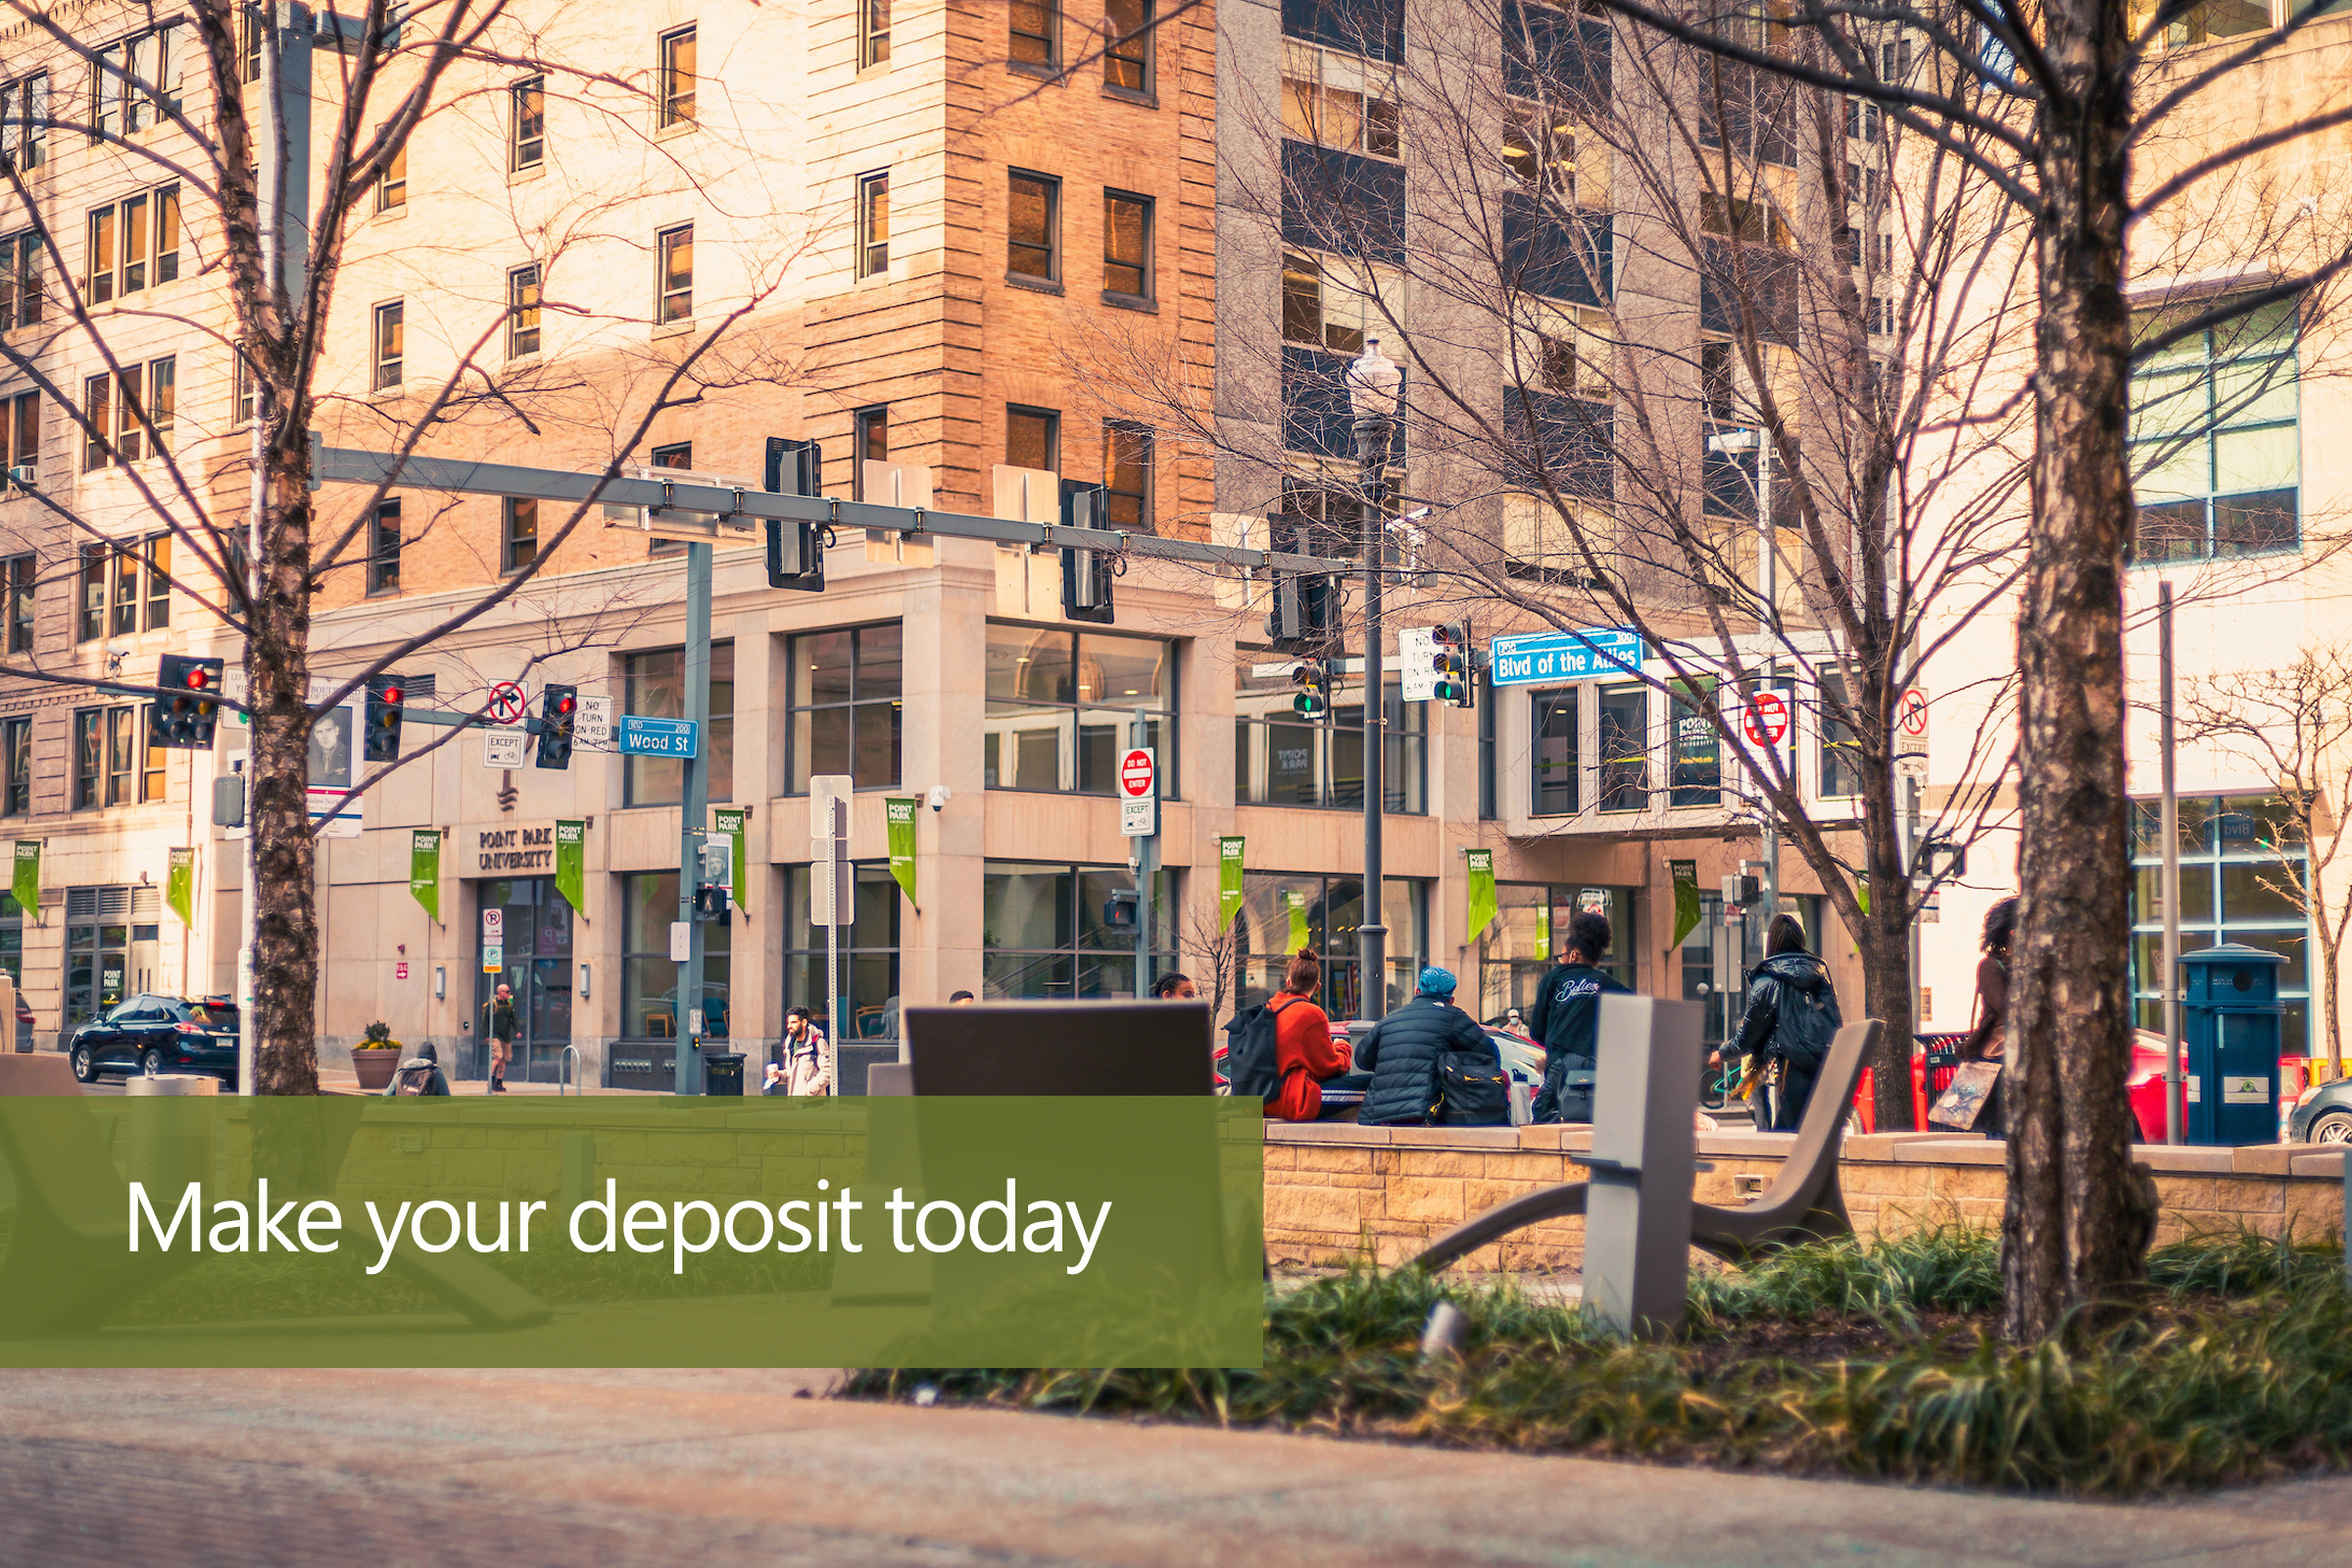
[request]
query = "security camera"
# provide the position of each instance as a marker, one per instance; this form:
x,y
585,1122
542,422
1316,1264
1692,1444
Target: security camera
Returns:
x,y
117,653
939,797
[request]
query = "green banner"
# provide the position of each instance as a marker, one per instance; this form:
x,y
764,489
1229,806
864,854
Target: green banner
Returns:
x,y
1296,901
1482,892
731,823
572,864
424,869
179,885
27,885
1229,881
898,815
1686,898
1543,930
935,1231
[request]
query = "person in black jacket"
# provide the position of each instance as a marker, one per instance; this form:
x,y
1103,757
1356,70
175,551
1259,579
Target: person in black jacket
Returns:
x,y
1791,1016
1401,1053
1566,1018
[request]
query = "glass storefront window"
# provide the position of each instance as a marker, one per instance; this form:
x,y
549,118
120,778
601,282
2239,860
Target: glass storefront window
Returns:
x,y
870,953
1282,912
649,976
537,959
847,713
1531,921
1047,931
654,686
1282,760
2236,857
1695,759
1062,707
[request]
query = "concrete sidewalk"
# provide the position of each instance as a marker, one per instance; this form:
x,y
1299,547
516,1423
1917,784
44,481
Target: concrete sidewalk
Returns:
x,y
723,1468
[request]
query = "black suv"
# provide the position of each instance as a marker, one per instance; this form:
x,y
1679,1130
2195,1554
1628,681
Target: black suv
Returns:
x,y
158,1034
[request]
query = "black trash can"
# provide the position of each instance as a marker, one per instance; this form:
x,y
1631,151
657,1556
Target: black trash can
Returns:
x,y
722,1073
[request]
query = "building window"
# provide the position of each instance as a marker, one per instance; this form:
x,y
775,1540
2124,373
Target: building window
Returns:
x,y
89,742
25,123
16,758
649,976
23,577
1127,475
1333,302
874,32
874,223
157,559
21,436
1623,749
526,118
132,243
1752,111
89,612
1488,797
118,424
519,535
21,261
675,247
1060,708
136,83
390,339
1032,230
1695,759
522,311
1048,931
1340,100
1738,218
1539,148
243,375
1127,57
654,685
2241,858
248,45
1282,760
1126,245
869,442
1553,748
1282,912
383,548
1033,438
677,77
1529,920
2216,438
847,713
869,951
113,765
392,190
1036,32
1841,747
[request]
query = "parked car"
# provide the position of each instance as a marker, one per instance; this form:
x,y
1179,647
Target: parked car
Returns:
x,y
1343,1095
2323,1114
151,1034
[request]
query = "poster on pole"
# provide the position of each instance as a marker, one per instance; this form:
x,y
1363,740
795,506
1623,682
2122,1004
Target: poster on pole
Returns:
x,y
1483,908
1228,880
1684,874
571,865
180,885
424,870
898,815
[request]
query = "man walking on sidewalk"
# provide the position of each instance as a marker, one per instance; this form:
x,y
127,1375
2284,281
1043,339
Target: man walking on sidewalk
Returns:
x,y
498,1028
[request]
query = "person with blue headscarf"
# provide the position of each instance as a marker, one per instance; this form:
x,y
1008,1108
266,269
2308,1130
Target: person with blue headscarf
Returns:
x,y
1404,1051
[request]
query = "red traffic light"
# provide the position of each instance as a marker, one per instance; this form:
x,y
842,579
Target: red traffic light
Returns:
x,y
197,679
564,705
391,693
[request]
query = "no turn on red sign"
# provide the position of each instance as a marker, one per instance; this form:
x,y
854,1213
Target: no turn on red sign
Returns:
x,y
1139,793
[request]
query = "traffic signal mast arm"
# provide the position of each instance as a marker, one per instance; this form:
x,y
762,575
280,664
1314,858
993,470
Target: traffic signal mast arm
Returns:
x,y
739,512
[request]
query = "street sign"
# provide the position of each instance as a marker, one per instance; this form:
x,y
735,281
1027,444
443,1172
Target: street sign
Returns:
x,y
1598,651
1765,721
681,941
494,924
494,957
592,725
1139,794
1911,715
823,790
502,748
1417,664
640,736
400,971
507,702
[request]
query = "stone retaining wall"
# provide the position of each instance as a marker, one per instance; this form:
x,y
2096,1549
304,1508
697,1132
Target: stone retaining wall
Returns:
x,y
1333,1187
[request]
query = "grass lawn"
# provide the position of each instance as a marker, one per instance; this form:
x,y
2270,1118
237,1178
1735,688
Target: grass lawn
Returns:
x,y
1834,1358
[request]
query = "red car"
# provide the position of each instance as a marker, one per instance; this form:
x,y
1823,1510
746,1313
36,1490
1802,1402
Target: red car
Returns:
x,y
2144,1087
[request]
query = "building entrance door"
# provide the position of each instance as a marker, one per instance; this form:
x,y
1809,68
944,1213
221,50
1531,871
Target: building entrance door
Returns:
x,y
537,963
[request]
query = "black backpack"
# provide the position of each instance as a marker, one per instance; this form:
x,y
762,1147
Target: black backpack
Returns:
x,y
1806,1027
1252,1064
1472,1090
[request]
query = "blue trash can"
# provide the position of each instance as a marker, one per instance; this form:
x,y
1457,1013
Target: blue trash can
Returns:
x,y
2232,1022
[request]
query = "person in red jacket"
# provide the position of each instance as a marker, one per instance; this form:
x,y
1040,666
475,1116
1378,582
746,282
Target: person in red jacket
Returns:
x,y
1304,1053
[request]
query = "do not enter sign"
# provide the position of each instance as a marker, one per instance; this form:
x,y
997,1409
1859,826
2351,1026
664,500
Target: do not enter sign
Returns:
x,y
1766,720
1135,774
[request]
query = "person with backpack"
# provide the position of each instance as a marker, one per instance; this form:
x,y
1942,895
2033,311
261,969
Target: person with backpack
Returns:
x,y
1565,1016
1432,1063
420,1074
501,1025
1791,1017
1281,1051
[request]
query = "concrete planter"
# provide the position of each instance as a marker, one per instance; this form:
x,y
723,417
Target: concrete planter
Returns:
x,y
374,1064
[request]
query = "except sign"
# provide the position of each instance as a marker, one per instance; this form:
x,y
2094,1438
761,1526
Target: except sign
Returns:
x,y
639,736
1139,794
1598,651
494,957
1765,721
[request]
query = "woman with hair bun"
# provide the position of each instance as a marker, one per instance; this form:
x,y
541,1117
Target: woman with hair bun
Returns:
x,y
1304,1053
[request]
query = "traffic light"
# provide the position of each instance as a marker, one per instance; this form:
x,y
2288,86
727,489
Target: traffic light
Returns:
x,y
1085,573
1313,677
796,551
559,710
1301,616
184,720
1454,682
379,737
713,896
1742,890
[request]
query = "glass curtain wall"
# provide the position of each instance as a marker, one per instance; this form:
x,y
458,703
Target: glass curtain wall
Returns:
x,y
1282,760
1282,912
2235,852
1053,931
1062,707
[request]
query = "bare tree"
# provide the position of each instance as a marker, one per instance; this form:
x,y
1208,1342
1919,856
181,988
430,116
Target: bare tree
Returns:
x,y
1216,944
2295,727
194,100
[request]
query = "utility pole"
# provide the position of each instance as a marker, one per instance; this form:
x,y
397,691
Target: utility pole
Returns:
x,y
693,814
1144,860
2168,823
1768,831
1373,385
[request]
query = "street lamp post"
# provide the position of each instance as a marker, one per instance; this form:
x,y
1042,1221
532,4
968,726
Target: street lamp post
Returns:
x,y
1768,831
1373,385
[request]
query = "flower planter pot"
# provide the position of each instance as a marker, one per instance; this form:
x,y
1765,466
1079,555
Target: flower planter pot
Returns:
x,y
374,1064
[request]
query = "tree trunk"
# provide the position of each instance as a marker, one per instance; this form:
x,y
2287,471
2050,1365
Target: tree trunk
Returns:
x,y
1884,945
2076,1227
285,940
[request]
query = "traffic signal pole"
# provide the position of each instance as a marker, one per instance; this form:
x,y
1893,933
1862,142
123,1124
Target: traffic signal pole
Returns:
x,y
694,815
